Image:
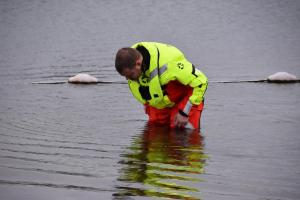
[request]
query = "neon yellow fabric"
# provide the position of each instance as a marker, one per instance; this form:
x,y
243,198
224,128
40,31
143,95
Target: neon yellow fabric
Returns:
x,y
182,71
178,68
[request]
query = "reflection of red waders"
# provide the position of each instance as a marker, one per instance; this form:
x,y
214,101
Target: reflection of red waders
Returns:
x,y
179,94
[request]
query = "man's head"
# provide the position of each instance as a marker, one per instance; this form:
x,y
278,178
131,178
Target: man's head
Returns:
x,y
129,63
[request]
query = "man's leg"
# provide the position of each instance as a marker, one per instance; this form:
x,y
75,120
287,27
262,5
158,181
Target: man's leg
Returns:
x,y
158,116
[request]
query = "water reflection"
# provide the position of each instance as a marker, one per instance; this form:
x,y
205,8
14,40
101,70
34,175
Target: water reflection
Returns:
x,y
162,162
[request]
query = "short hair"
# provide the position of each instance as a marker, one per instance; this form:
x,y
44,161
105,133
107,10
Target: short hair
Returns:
x,y
126,58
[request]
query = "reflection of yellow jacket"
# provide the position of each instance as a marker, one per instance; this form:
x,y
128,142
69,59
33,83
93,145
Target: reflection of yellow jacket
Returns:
x,y
167,63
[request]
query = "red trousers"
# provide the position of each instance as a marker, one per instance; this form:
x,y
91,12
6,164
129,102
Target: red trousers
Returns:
x,y
179,94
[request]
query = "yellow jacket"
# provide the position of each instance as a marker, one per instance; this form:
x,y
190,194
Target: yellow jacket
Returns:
x,y
167,63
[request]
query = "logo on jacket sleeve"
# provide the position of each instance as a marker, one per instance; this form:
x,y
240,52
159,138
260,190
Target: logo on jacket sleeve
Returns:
x,y
180,65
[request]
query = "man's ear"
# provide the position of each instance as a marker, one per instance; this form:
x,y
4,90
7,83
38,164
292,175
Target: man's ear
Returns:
x,y
139,61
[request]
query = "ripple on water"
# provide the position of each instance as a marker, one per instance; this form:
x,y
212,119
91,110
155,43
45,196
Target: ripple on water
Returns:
x,y
162,162
34,148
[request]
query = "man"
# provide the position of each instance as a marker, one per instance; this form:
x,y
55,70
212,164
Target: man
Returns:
x,y
160,77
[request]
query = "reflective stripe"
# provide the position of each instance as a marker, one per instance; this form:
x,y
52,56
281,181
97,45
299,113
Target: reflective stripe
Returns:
x,y
157,71
163,69
153,74
187,107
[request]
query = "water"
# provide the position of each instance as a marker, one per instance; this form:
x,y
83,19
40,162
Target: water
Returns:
x,y
67,141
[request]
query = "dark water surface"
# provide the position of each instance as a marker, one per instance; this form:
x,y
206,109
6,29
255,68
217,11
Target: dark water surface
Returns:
x,y
64,141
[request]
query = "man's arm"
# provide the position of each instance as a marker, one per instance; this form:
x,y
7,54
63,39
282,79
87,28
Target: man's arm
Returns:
x,y
187,74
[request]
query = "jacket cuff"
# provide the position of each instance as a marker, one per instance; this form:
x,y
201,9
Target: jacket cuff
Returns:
x,y
183,113
187,108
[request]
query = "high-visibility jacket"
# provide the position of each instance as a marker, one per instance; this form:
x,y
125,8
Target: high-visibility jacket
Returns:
x,y
167,63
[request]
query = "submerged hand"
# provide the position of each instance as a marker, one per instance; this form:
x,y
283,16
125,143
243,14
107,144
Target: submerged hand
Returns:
x,y
180,120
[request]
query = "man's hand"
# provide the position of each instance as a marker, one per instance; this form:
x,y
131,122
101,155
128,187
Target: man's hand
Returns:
x,y
180,120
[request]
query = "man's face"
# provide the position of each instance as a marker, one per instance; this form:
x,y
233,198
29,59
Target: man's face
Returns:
x,y
134,73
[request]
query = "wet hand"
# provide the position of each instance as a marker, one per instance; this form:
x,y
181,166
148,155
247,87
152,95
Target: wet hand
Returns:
x,y
180,120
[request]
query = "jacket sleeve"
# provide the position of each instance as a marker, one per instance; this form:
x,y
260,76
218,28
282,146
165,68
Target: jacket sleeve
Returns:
x,y
187,74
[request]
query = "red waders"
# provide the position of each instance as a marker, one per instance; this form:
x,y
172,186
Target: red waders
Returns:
x,y
179,94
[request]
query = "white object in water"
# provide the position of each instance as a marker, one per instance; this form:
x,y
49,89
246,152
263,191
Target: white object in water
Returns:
x,y
282,77
189,125
83,78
